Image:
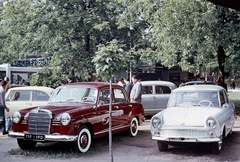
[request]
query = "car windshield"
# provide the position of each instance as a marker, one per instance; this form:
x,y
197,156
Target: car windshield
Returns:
x,y
74,94
180,99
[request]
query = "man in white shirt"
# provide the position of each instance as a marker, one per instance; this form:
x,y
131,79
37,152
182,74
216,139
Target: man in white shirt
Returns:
x,y
137,89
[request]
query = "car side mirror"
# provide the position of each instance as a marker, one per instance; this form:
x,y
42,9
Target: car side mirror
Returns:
x,y
225,105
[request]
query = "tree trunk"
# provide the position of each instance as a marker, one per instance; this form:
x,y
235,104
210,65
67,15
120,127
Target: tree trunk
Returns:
x,y
221,56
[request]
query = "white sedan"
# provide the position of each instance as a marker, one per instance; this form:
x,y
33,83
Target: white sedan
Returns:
x,y
195,114
18,98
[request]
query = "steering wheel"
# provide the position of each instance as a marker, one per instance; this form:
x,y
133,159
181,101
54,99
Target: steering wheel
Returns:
x,y
88,99
205,101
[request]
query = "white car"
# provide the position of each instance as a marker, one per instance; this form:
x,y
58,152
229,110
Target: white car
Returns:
x,y
18,98
155,96
195,114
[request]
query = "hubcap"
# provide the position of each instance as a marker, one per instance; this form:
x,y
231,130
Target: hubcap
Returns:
x,y
84,141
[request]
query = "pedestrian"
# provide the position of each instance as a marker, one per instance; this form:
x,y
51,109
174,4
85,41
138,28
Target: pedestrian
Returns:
x,y
128,86
3,105
137,89
221,82
232,84
121,82
8,83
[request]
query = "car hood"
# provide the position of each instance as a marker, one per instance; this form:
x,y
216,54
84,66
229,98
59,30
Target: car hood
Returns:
x,y
58,108
193,116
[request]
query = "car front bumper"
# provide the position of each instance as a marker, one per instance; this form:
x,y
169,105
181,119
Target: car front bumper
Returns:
x,y
47,137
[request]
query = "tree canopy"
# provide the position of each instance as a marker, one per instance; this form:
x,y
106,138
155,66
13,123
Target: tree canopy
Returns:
x,y
173,33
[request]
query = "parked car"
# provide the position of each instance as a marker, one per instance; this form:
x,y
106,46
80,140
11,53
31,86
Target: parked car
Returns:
x,y
155,96
195,114
21,97
77,113
196,82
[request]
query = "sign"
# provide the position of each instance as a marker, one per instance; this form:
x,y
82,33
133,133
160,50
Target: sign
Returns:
x,y
32,62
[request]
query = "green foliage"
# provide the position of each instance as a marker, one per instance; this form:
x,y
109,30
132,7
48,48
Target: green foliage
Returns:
x,y
171,32
176,29
109,60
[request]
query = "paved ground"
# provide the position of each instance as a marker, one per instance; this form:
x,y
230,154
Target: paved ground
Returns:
x,y
139,149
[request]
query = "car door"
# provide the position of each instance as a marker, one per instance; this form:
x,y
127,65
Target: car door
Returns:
x,y
124,108
148,99
102,112
161,94
228,110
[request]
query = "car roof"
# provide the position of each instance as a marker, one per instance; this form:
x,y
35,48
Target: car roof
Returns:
x,y
96,85
159,82
198,82
198,88
47,90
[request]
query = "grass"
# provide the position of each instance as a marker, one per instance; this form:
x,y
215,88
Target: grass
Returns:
x,y
235,98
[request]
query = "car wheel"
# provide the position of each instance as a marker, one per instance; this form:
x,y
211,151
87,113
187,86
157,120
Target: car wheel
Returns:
x,y
84,140
133,130
162,146
217,146
230,133
26,145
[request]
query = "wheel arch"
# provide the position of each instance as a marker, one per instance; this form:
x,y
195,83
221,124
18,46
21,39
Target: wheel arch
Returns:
x,y
89,126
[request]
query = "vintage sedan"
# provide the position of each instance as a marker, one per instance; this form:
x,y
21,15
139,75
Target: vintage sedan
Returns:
x,y
21,97
195,114
77,113
155,96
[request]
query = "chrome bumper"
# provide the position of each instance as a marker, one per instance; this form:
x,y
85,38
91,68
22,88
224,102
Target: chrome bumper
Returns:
x,y
48,137
203,140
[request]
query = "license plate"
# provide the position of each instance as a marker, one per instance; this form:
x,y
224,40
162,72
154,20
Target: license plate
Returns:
x,y
34,137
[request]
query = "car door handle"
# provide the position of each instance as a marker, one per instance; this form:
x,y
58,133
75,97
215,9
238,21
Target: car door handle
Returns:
x,y
130,105
117,107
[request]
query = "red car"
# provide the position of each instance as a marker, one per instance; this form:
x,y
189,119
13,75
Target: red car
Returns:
x,y
77,113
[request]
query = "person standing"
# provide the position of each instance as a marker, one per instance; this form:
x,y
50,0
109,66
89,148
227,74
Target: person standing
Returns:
x,y
8,83
128,86
137,89
3,106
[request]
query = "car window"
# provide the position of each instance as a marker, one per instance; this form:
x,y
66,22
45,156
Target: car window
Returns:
x,y
39,96
222,98
119,95
193,98
104,96
147,89
162,90
81,94
19,96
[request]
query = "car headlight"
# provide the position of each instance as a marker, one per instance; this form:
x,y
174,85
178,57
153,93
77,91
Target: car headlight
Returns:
x,y
156,122
16,117
211,123
65,119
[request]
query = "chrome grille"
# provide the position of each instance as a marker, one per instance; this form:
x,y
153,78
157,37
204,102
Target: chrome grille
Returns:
x,y
39,123
186,133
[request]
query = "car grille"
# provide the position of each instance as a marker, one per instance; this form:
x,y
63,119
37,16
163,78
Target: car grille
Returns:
x,y
186,133
39,123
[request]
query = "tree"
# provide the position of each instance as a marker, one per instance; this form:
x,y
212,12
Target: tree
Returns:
x,y
108,62
67,31
176,29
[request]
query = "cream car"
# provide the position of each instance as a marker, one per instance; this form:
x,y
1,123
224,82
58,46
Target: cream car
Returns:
x,y
18,98
195,114
155,96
